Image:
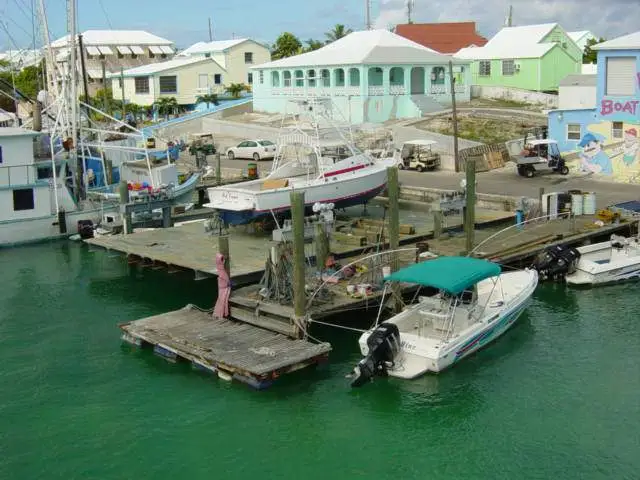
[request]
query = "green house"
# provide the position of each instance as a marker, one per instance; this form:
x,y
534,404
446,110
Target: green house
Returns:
x,y
532,57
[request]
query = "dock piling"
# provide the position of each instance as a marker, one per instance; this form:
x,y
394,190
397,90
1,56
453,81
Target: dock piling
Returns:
x,y
223,248
470,206
218,169
393,192
299,297
322,247
437,223
124,200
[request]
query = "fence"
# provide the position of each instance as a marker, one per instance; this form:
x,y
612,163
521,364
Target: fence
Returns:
x,y
486,157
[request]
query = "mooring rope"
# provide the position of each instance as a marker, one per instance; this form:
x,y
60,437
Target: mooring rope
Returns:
x,y
337,326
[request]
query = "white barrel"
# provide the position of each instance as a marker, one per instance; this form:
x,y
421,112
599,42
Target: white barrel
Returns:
x,y
589,203
576,204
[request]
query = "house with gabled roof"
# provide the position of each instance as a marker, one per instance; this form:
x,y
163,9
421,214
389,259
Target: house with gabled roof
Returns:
x,y
581,38
447,38
531,57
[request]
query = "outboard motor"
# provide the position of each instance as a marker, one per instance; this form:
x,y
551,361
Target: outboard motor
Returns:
x,y
556,262
384,344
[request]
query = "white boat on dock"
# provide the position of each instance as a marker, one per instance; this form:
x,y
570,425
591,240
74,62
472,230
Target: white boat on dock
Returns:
x,y
475,305
321,161
616,260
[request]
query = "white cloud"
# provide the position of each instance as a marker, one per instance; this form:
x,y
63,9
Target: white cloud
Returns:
x,y
609,19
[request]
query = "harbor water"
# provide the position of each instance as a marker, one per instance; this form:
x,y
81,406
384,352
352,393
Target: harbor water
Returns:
x,y
557,397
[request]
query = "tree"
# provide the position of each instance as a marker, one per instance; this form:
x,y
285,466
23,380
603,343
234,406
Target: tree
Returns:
x,y
208,99
166,105
337,33
235,89
313,45
589,55
287,45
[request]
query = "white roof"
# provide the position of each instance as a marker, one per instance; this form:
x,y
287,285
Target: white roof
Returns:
x,y
115,37
154,68
365,47
16,132
210,47
626,42
576,36
424,143
512,42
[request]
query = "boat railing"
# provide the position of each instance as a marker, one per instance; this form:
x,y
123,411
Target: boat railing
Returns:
x,y
14,175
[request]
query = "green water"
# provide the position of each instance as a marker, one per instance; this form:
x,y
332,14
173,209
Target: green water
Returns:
x,y
556,397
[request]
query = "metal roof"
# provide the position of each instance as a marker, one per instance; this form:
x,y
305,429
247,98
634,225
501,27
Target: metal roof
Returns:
x,y
626,42
115,37
154,68
211,47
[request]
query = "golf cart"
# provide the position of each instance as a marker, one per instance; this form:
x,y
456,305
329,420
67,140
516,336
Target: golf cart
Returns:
x,y
540,155
418,155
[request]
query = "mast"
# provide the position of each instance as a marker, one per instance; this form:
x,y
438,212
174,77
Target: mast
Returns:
x,y
73,78
210,31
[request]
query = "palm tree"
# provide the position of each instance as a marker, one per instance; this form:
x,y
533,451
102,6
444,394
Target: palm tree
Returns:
x,y
313,45
235,89
166,105
337,33
208,99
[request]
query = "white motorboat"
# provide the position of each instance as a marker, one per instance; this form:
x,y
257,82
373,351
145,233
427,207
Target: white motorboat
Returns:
x,y
615,260
321,162
476,304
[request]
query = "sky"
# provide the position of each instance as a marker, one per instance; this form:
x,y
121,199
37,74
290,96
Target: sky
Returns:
x,y
185,22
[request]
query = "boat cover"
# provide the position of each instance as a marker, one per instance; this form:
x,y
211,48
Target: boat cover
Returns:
x,y
451,274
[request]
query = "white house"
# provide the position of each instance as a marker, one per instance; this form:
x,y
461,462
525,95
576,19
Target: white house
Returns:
x,y
236,56
184,78
20,59
371,76
113,50
581,38
577,92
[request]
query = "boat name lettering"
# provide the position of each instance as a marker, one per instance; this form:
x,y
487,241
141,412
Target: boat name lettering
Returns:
x,y
229,196
608,107
406,345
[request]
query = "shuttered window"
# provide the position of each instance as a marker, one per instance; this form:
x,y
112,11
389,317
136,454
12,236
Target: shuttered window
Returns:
x,y
573,131
169,84
621,76
484,68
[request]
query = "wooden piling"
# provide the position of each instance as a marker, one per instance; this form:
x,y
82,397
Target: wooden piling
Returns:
x,y
393,194
124,200
437,223
322,247
470,207
299,297
454,111
223,248
218,170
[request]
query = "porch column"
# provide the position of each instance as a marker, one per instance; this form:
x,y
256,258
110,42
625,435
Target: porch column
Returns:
x,y
386,81
407,80
364,81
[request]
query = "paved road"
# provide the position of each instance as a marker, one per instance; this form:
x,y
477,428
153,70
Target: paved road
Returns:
x,y
502,182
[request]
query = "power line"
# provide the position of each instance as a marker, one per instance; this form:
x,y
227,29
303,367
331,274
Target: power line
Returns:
x,y
105,14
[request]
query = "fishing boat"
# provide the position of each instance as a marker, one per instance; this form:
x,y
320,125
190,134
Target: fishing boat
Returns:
x,y
314,156
615,260
475,304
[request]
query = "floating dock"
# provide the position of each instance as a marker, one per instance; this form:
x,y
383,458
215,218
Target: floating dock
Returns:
x,y
230,349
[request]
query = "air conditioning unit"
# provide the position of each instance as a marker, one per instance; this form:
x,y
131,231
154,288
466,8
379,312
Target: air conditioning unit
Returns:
x,y
517,67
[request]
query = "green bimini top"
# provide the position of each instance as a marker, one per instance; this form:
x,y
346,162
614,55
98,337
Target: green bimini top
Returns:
x,y
451,274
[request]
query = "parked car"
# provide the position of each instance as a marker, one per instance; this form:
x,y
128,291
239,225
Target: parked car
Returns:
x,y
256,149
418,155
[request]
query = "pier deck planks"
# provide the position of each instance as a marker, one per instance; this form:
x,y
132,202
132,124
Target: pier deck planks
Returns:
x,y
233,347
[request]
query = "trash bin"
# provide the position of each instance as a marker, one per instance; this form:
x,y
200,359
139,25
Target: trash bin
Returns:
x,y
252,171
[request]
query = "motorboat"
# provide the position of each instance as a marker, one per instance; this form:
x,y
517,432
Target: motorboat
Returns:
x,y
476,303
313,156
615,260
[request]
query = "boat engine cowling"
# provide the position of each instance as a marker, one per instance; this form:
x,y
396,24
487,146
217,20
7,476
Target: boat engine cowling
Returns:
x,y
556,262
384,345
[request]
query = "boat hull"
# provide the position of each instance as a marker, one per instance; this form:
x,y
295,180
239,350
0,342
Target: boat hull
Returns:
x,y
601,264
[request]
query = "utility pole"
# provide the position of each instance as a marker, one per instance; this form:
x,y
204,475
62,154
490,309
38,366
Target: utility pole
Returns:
x,y
455,115
124,108
210,31
508,22
367,15
410,5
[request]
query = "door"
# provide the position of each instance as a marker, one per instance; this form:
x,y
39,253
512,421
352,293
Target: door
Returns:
x,y
417,81
241,150
203,82
252,147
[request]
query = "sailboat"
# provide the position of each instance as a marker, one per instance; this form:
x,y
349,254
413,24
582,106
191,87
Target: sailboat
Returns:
x,y
55,177
476,303
314,155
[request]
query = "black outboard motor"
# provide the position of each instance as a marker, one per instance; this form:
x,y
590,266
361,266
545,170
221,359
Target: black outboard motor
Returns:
x,y
384,344
556,262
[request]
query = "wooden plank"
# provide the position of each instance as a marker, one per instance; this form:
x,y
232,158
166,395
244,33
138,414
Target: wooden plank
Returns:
x,y
262,321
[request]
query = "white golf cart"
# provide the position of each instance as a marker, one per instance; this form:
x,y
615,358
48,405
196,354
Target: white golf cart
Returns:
x,y
540,155
418,155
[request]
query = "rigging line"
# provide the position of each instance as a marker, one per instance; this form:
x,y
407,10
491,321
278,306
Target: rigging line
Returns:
x,y
359,330
21,8
105,14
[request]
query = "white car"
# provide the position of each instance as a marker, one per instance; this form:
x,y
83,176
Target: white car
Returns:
x,y
255,149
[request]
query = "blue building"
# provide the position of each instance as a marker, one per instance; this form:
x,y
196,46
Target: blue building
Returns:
x,y
371,76
605,140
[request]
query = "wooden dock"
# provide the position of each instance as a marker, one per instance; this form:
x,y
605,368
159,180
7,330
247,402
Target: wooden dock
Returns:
x,y
231,349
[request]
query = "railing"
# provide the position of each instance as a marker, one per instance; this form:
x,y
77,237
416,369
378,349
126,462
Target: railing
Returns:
x,y
18,175
438,89
376,90
460,88
397,90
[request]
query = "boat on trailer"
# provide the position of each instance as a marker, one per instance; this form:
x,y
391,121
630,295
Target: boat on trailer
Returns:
x,y
314,156
476,303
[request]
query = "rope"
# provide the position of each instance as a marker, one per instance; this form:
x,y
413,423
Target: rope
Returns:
x,y
337,326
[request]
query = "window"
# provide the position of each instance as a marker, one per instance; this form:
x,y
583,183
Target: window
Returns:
x,y
134,56
508,67
217,79
203,80
573,131
151,54
484,68
621,76
120,83
248,57
616,129
23,199
142,84
120,55
207,55
265,143
252,144
0,153
250,78
169,84
261,76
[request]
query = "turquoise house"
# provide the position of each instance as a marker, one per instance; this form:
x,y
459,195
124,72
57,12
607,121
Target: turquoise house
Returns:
x,y
372,76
